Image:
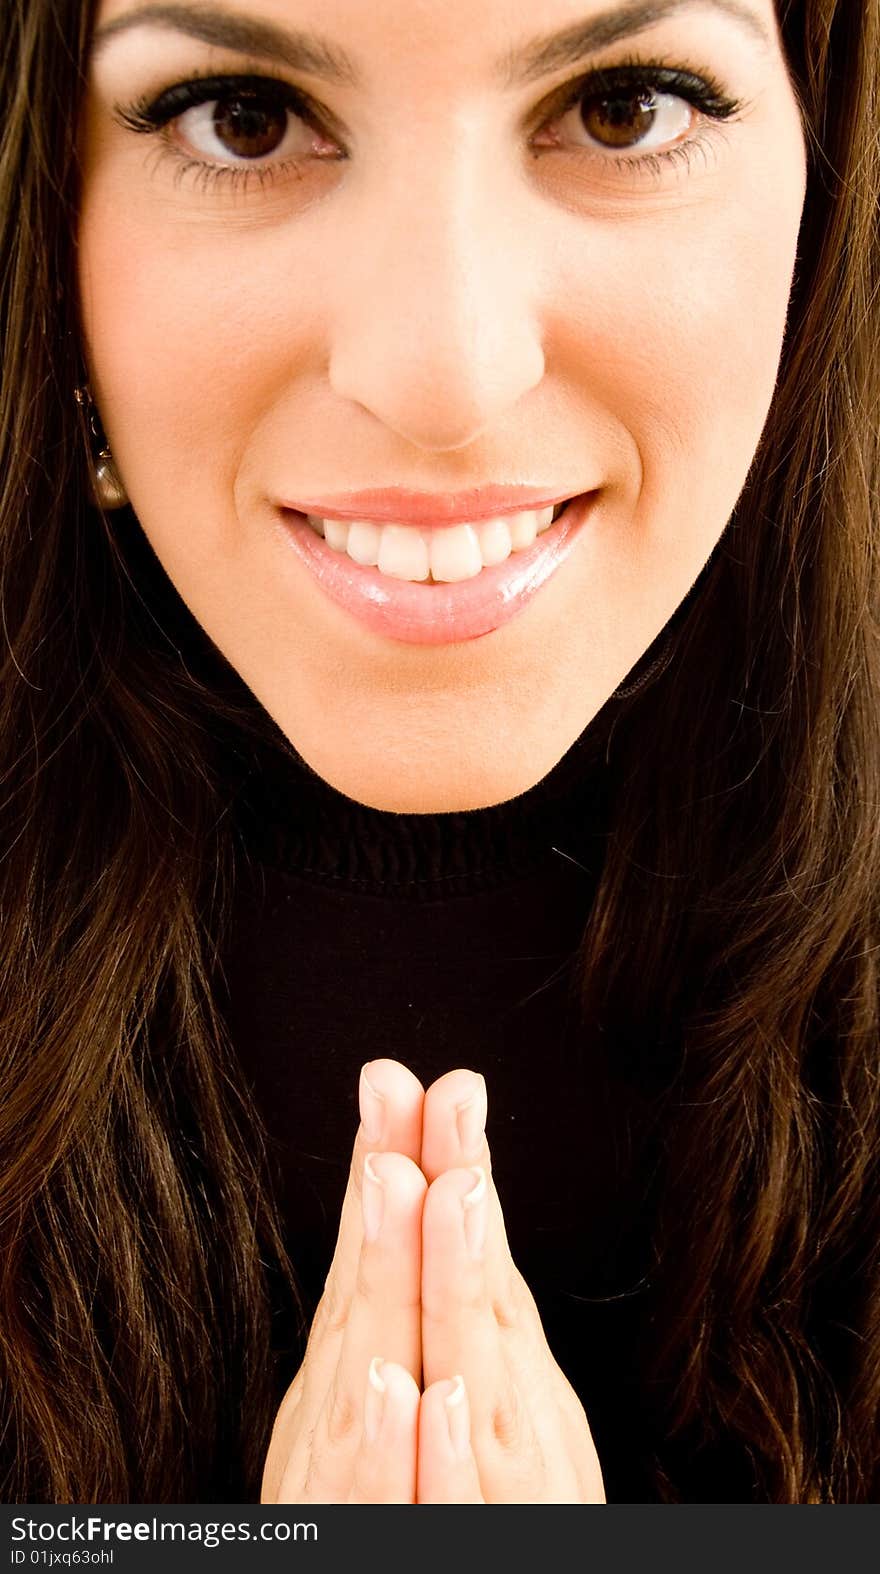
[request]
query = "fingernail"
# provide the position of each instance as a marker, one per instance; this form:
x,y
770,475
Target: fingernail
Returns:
x,y
470,1118
372,1108
458,1419
374,1404
473,1207
372,1199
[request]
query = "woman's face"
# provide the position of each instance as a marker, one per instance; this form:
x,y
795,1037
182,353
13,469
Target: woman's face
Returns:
x,y
418,251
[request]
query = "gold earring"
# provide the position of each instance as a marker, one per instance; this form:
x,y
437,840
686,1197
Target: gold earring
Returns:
x,y
108,484
106,481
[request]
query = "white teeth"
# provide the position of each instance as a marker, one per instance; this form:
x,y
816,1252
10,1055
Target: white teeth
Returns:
x,y
495,541
363,542
336,534
403,553
523,530
454,553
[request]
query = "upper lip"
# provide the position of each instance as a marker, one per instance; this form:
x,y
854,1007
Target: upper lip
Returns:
x,y
397,505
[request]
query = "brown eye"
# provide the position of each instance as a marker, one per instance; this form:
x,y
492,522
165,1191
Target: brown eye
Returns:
x,y
248,127
620,121
234,127
629,118
240,128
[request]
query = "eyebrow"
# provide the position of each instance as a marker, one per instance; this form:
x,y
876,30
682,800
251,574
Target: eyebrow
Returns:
x,y
543,55
316,56
247,35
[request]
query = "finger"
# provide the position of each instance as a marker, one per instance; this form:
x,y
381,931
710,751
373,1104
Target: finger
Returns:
x,y
390,1099
477,1317
447,1469
382,1466
282,1441
386,1464
460,1316
385,1310
384,1313
453,1136
454,1124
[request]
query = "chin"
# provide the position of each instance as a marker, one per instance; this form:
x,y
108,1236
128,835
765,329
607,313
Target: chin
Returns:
x,y
416,775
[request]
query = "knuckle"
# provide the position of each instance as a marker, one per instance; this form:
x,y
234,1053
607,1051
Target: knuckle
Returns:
x,y
383,1283
507,1301
508,1421
294,1389
513,1434
292,1400
505,1426
316,1331
364,1285
443,1305
343,1415
356,1172
333,1310
505,1314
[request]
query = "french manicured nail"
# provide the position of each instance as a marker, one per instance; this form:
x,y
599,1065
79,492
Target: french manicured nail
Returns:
x,y
470,1118
374,1404
473,1206
372,1108
372,1199
458,1419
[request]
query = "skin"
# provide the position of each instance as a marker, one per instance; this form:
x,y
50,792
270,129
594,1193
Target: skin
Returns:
x,y
436,1290
579,326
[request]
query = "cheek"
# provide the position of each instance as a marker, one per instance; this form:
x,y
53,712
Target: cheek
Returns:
x,y
191,339
675,326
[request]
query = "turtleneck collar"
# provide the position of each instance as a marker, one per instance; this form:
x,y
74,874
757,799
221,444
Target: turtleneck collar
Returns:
x,y
292,820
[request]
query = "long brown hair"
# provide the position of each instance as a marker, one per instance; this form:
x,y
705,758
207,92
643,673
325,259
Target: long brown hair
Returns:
x,y
731,963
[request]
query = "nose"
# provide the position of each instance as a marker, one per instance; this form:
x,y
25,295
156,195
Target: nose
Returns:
x,y
439,333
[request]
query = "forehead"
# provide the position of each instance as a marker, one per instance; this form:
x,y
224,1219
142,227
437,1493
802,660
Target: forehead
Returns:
x,y
339,40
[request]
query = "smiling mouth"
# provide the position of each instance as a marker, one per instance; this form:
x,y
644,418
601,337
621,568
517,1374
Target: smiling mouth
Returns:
x,y
399,598
435,556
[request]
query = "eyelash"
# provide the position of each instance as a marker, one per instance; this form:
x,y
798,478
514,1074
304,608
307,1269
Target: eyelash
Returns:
x,y
702,91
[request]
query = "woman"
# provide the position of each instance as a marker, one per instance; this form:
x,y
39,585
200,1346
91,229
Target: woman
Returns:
x,y
626,269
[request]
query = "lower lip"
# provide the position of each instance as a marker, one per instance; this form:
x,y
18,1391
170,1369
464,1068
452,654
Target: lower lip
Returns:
x,y
438,614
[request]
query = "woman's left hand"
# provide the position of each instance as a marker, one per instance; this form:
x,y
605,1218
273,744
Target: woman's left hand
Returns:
x,y
498,1420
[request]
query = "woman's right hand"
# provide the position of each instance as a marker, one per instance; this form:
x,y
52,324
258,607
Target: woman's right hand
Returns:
x,y
347,1431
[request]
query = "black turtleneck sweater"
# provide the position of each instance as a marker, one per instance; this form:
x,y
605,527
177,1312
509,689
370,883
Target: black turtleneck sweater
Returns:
x,y
446,940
